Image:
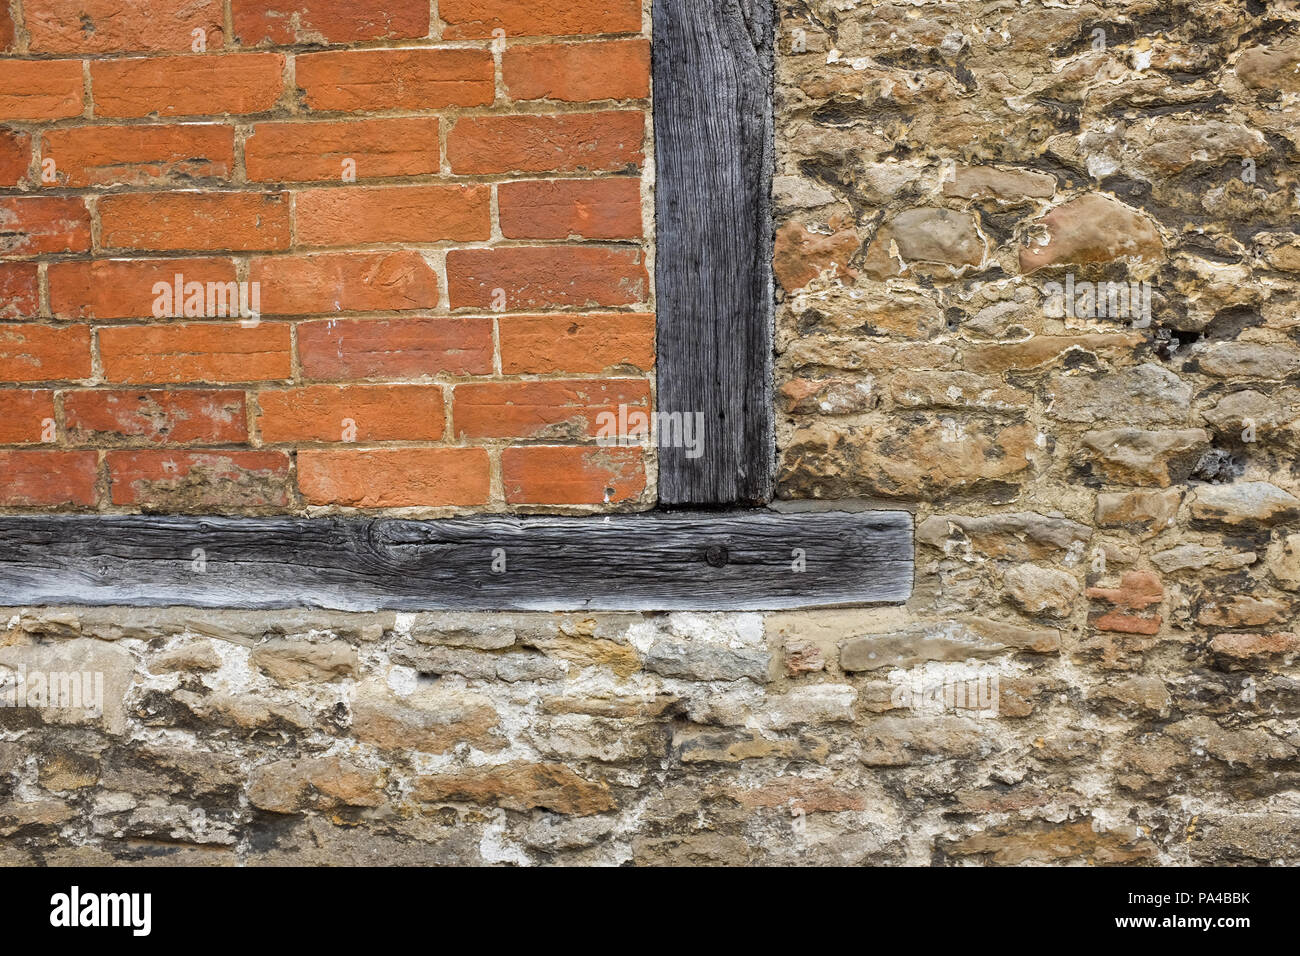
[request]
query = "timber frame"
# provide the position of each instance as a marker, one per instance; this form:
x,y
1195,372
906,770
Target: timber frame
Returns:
x,y
713,69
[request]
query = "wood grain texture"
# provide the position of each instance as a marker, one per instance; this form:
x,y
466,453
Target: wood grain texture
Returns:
x,y
713,146
656,561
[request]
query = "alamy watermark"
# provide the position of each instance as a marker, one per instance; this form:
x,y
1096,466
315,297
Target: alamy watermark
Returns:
x,y
661,429
947,689
1098,300
75,909
179,299
62,690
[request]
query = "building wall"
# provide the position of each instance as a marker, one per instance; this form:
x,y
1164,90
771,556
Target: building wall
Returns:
x,y
1099,662
433,214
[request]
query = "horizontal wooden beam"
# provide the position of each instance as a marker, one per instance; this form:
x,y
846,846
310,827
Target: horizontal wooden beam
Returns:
x,y
745,560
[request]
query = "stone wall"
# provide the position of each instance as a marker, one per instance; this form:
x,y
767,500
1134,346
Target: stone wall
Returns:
x,y
1099,662
1105,489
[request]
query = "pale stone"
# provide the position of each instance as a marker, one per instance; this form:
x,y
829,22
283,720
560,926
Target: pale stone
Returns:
x,y
1039,590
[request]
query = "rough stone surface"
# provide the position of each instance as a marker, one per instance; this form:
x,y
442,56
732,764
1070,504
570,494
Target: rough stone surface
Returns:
x,y
1119,485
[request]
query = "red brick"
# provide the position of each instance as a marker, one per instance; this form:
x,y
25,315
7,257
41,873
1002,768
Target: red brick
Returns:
x,y
1120,623
411,79
346,282
203,85
314,152
199,480
40,353
1137,590
124,288
570,143
40,89
552,276
571,208
546,475
395,477
285,22
195,220
139,155
20,294
365,413
339,349
578,344
31,225
542,410
578,72
368,214
47,478
24,416
15,156
7,32
478,18
115,26
203,352
159,417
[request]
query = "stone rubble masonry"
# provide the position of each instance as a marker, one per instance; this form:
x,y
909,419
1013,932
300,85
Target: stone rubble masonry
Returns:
x,y
1107,512
431,198
1108,508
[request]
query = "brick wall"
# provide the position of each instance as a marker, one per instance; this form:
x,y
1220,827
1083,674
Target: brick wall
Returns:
x,y
434,212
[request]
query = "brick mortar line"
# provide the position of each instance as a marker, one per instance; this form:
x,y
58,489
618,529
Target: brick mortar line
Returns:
x,y
336,46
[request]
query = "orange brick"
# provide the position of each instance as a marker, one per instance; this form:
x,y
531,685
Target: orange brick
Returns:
x,y
48,478
203,85
40,353
478,18
112,26
195,220
350,413
394,477
284,22
544,475
346,282
571,208
40,89
578,344
124,288
26,416
156,416
1121,623
7,32
411,79
315,152
31,225
367,214
573,142
578,72
139,155
551,276
1137,590
205,352
199,480
20,294
339,349
542,410
15,156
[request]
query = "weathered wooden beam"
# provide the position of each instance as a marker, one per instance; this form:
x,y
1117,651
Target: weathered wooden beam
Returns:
x,y
713,154
756,560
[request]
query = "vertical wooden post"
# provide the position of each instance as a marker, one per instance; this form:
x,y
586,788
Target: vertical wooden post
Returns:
x,y
713,63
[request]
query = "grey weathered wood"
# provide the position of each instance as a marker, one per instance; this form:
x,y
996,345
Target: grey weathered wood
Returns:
x,y
657,561
713,153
